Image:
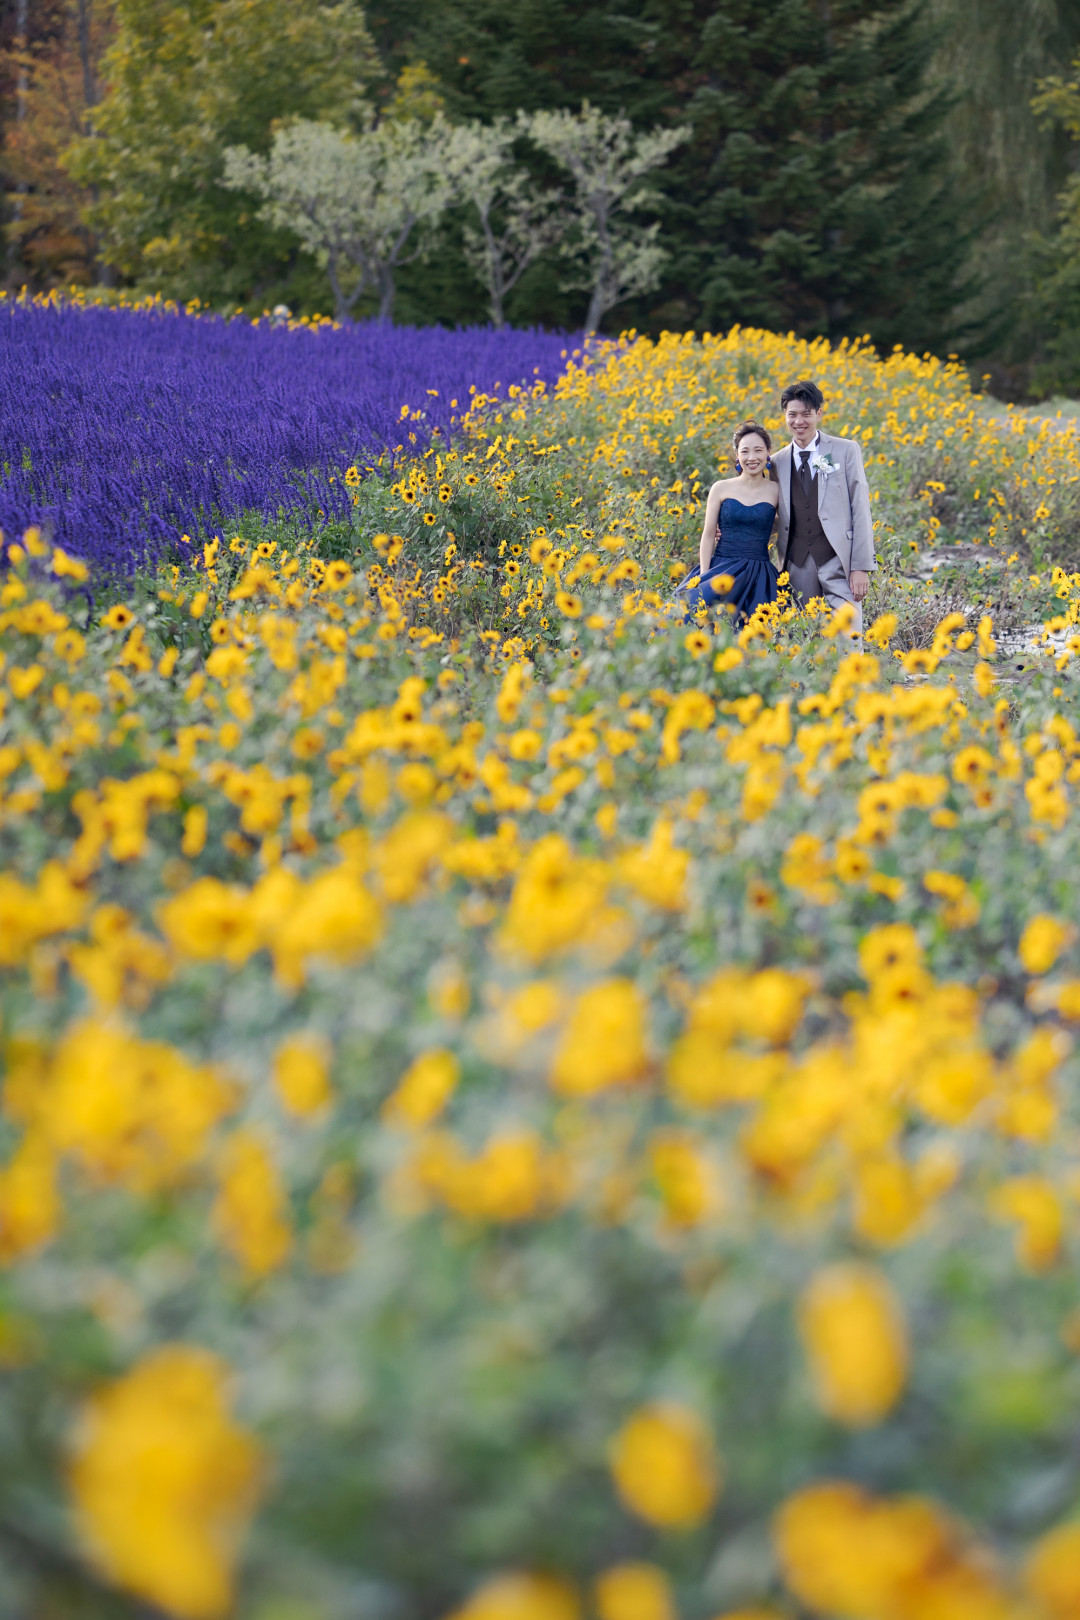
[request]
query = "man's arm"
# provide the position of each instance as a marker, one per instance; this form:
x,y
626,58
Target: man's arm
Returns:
x,y
862,522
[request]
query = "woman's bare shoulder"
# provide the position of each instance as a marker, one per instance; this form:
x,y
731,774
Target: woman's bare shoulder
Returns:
x,y
769,492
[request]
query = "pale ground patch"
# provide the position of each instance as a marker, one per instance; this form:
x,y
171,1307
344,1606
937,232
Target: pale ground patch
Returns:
x,y
1059,412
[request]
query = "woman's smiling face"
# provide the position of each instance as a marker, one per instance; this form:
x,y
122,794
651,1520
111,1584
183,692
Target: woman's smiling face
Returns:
x,y
752,453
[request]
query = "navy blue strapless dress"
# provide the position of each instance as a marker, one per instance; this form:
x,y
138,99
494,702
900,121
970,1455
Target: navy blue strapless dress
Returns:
x,y
742,553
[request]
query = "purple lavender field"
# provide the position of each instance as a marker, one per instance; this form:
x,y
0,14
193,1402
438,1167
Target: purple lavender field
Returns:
x,y
120,430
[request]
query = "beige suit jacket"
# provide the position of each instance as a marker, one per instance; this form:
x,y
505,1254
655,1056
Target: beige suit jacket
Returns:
x,y
843,504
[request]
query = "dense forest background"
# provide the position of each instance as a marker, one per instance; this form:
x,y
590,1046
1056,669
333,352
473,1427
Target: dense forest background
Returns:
x,y
902,168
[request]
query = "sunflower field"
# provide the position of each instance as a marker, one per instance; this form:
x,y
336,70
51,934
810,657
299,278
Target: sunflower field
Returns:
x,y
516,1106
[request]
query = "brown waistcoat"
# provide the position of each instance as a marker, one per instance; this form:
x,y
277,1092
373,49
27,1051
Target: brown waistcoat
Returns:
x,y
806,537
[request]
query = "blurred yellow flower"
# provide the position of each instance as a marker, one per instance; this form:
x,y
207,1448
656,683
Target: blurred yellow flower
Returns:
x,y
881,632
30,1207
891,946
852,1327
1052,1572
65,567
555,896
302,1074
164,1482
844,1553
210,919
658,870
688,1183
251,1215
1042,942
521,1597
603,1043
509,1180
634,1592
423,1090
1035,1207
972,765
129,1111
664,1466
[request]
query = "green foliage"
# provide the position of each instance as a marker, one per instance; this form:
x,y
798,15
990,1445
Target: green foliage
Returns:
x,y
356,203
821,157
814,193
863,166
1056,259
1010,163
186,81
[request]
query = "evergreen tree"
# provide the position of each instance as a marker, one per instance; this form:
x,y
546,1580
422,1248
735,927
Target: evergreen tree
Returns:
x,y
827,202
993,54
1056,259
816,191
992,57
492,59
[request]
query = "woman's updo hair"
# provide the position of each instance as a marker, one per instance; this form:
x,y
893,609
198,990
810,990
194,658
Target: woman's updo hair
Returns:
x,y
751,427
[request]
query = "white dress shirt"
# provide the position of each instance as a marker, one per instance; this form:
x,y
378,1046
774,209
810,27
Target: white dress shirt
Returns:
x,y
811,450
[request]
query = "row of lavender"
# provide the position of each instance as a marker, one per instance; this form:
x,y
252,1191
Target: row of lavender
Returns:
x,y
120,429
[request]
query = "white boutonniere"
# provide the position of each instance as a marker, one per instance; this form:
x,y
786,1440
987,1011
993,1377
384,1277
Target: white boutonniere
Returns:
x,y
822,463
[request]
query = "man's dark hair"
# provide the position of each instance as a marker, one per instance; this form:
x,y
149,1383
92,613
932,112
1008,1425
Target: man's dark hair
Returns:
x,y
808,392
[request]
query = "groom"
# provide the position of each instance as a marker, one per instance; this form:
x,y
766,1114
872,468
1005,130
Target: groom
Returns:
x,y
826,534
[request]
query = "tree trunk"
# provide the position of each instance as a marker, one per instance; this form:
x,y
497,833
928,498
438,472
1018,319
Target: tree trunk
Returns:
x,y
387,292
342,306
22,84
22,43
104,274
495,277
89,77
834,311
600,302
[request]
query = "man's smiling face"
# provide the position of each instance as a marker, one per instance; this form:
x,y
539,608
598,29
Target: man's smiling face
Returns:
x,y
802,421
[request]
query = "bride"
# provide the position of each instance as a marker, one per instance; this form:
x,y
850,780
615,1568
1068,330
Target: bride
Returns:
x,y
739,518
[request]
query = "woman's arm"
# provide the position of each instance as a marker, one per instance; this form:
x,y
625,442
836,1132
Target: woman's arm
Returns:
x,y
708,533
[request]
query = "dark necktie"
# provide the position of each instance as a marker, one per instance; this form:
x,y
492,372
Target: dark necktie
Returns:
x,y
804,472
